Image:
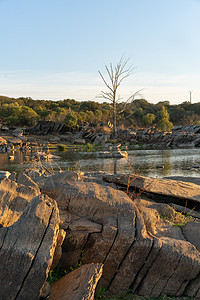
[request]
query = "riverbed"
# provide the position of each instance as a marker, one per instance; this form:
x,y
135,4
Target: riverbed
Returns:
x,y
154,163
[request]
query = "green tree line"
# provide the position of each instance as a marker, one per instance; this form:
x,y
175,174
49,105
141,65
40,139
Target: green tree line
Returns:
x,y
139,113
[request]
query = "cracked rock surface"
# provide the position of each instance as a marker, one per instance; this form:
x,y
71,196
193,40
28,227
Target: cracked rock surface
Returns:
x,y
140,250
28,237
79,284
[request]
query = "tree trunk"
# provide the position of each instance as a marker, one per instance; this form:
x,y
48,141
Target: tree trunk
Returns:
x,y
114,116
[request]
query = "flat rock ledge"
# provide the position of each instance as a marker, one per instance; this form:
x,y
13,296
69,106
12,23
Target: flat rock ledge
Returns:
x,y
166,187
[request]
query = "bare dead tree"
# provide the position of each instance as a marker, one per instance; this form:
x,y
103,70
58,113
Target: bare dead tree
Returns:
x,y
116,74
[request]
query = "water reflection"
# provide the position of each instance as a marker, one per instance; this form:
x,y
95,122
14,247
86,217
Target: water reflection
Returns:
x,y
153,163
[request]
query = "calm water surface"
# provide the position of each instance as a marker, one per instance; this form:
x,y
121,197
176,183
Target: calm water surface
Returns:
x,y
146,162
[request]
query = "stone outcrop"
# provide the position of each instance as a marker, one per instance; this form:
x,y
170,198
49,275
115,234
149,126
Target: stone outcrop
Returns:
x,y
123,244
179,136
27,249
30,238
140,249
47,127
166,187
79,284
14,198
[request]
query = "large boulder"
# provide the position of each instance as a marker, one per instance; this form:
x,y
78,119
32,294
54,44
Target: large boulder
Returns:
x,y
27,248
140,251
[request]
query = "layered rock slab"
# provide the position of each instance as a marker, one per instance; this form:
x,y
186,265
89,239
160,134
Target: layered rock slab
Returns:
x,y
27,249
166,187
79,284
110,209
137,253
14,197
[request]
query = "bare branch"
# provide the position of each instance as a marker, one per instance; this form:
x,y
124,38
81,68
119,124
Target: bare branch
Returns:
x,y
110,73
131,98
129,72
107,95
105,82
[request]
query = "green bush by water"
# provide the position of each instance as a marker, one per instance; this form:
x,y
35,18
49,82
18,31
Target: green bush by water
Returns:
x,y
61,148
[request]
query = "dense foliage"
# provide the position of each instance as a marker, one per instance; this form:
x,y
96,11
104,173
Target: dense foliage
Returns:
x,y
138,113
163,120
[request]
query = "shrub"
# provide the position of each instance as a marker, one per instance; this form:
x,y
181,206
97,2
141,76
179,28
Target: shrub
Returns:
x,y
61,148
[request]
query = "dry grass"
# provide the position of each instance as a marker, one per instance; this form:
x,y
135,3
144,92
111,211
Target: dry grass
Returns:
x,y
104,129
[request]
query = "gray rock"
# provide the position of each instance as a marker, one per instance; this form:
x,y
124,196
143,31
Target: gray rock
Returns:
x,y
45,290
84,224
4,174
72,248
13,176
27,249
18,132
79,141
22,178
79,284
58,249
62,177
104,154
140,250
120,154
195,180
13,200
100,139
191,232
54,140
171,188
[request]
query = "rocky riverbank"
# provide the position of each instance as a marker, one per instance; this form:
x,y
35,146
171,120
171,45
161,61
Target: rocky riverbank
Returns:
x,y
125,232
46,133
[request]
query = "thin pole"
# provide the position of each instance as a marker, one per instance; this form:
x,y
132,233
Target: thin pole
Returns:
x,y
190,96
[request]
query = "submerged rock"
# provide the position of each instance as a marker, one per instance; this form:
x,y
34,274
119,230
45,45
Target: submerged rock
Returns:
x,y
111,154
4,174
120,154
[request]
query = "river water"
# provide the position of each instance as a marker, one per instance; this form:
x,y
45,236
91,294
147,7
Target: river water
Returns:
x,y
154,163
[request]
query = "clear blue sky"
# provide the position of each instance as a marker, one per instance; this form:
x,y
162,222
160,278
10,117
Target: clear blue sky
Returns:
x,y
53,49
